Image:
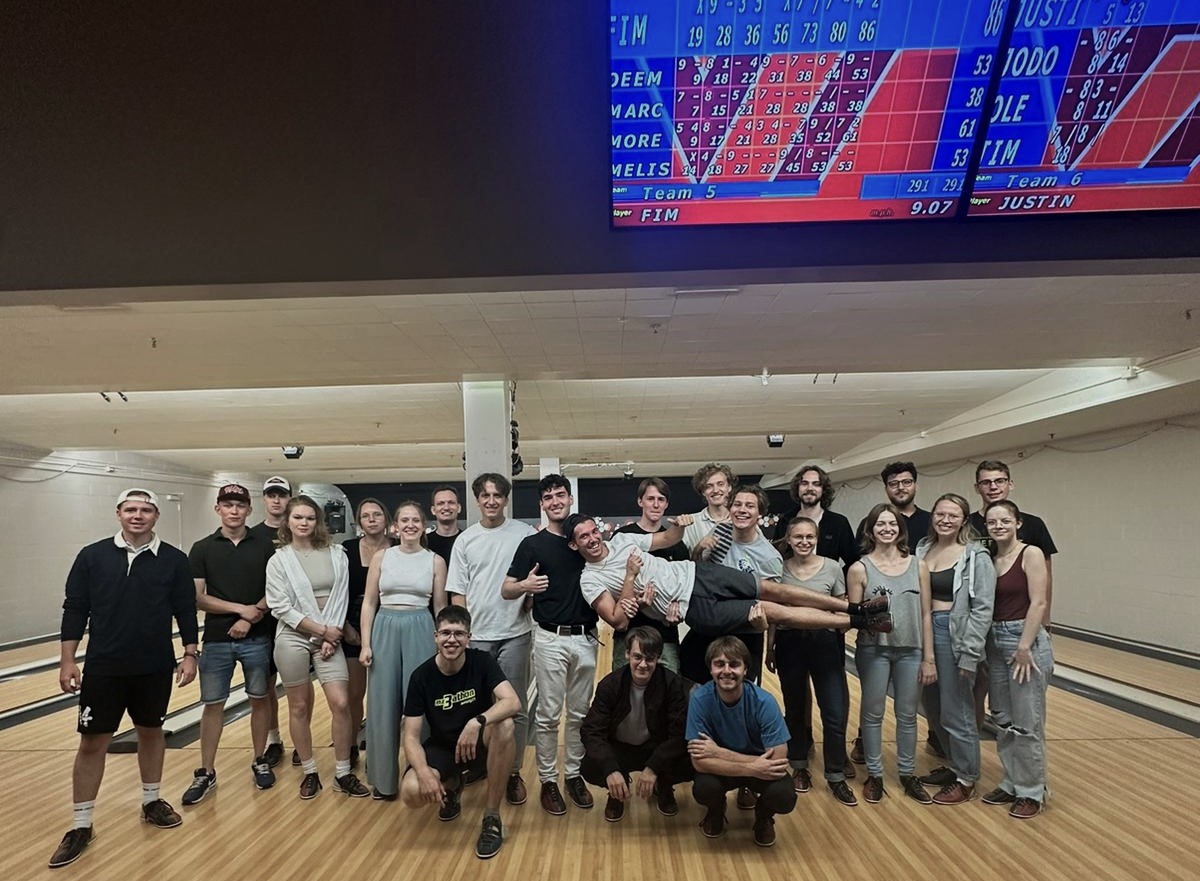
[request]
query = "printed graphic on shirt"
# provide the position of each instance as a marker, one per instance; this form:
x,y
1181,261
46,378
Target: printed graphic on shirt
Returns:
x,y
85,717
450,701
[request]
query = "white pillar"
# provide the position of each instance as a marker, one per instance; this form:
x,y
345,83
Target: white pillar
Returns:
x,y
552,465
488,435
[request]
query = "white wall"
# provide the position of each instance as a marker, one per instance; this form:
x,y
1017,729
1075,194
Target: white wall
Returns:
x,y
1121,508
55,503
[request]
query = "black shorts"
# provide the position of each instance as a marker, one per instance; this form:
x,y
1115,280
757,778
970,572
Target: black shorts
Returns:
x,y
721,599
441,759
103,700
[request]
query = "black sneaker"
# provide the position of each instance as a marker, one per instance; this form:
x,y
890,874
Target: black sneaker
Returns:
x,y
295,758
274,754
202,784
451,805
843,793
382,796
577,789
351,785
264,777
159,813
914,790
857,754
73,845
939,777
491,837
667,806
310,786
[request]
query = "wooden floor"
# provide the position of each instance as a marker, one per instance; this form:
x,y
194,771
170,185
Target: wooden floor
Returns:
x,y
1121,809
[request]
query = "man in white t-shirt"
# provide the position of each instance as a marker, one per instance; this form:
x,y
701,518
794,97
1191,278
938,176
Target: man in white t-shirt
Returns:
x,y
620,575
478,564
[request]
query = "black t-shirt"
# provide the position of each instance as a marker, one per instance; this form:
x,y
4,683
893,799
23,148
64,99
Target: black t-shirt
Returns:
x,y
917,524
1033,531
441,544
358,580
270,533
562,602
676,553
448,703
236,573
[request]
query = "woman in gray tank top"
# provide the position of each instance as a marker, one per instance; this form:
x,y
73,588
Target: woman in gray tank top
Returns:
x,y
902,658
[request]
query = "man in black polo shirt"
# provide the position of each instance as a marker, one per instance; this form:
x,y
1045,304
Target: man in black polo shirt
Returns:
x,y
653,497
545,569
125,590
229,567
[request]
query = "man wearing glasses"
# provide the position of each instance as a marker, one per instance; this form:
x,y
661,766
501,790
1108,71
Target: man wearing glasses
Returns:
x,y
462,695
636,724
993,482
900,485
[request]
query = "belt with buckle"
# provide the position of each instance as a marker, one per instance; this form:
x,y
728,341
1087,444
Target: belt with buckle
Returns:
x,y
566,629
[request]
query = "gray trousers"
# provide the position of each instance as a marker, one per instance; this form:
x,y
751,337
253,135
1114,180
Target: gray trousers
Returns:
x,y
401,640
513,657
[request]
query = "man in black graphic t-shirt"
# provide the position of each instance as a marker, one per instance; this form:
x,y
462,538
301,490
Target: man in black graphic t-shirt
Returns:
x,y
462,695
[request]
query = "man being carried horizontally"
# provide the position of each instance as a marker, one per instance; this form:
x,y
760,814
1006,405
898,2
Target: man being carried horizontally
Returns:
x,y
620,576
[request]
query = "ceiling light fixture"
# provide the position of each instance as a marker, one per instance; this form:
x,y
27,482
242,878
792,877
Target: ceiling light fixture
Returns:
x,y
707,292
766,376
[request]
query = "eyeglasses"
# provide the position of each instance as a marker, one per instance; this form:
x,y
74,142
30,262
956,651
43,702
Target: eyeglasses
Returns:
x,y
905,482
989,482
452,634
1000,523
639,658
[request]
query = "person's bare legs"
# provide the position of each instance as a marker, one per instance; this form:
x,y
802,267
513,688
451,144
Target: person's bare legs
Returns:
x,y
765,613
789,595
151,747
299,712
337,696
501,749
89,766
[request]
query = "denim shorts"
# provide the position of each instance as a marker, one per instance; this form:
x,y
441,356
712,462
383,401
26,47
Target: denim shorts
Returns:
x,y
218,659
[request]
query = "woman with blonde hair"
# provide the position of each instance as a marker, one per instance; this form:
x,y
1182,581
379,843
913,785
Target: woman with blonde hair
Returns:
x,y
962,583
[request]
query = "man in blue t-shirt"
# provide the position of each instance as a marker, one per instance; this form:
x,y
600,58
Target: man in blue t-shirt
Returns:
x,y
737,738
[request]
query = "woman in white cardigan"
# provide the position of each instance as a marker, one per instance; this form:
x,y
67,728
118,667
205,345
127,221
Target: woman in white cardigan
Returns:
x,y
308,590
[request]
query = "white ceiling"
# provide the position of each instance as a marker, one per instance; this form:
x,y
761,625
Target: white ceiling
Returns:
x,y
369,381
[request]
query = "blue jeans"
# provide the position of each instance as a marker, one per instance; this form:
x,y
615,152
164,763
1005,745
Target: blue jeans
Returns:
x,y
820,654
877,667
218,660
1019,709
950,705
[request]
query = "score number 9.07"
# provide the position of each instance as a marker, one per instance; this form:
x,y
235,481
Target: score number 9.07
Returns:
x,y
932,208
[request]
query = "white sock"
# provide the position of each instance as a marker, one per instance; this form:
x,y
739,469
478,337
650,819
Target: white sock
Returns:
x,y
81,814
149,792
273,737
310,767
340,768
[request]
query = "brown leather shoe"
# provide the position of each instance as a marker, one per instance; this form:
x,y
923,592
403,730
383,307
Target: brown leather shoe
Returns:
x,y
848,770
713,824
552,800
310,786
747,799
515,792
999,796
72,846
764,830
955,793
856,752
614,809
873,791
802,780
1025,809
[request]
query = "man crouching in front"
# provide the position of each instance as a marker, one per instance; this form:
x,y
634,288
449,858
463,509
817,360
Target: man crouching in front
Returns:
x,y
468,704
737,738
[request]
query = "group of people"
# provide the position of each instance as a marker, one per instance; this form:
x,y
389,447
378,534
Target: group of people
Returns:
x,y
446,628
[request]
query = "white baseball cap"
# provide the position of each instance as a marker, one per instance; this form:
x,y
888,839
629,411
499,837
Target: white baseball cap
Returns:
x,y
137,493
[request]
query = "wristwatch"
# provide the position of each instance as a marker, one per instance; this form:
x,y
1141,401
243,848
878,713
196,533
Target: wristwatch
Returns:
x,y
481,719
